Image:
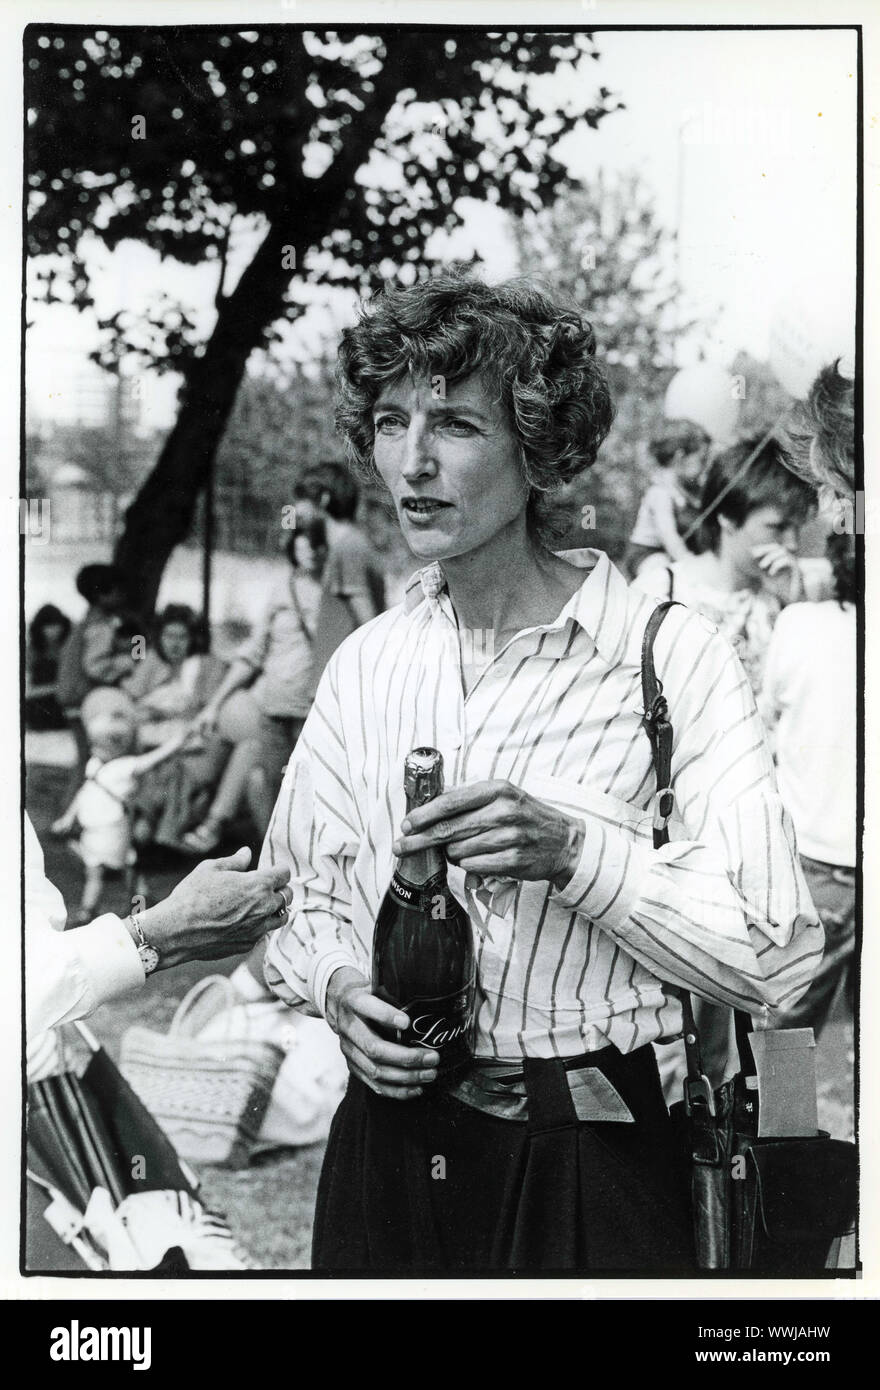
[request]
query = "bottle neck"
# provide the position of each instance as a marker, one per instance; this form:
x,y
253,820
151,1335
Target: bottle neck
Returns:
x,y
423,864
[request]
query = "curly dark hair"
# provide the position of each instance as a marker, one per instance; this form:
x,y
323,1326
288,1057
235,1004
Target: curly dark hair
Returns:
x,y
733,490
536,356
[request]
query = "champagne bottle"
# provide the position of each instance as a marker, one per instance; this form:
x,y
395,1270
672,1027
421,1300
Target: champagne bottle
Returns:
x,y
423,954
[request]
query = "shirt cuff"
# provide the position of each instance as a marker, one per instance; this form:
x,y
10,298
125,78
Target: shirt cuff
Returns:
x,y
609,878
109,957
320,970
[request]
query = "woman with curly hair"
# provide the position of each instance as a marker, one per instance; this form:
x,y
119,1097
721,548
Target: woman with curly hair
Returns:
x,y
473,403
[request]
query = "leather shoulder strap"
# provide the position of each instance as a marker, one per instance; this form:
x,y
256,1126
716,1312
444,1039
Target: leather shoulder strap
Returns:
x,y
657,726
659,730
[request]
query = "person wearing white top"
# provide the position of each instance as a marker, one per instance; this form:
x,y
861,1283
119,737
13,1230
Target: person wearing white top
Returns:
x,y
809,703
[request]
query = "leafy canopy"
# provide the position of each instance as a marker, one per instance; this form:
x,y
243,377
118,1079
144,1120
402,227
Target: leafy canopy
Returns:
x,y
358,144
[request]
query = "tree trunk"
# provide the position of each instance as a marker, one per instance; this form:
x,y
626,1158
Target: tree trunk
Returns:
x,y
161,515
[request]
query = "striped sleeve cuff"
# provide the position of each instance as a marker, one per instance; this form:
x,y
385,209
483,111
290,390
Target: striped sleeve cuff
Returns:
x,y
320,970
609,878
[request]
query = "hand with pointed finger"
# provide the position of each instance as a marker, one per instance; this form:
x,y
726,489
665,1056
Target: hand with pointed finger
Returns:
x,y
400,1073
495,828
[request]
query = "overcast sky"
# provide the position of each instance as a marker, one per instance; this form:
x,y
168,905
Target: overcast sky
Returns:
x,y
746,139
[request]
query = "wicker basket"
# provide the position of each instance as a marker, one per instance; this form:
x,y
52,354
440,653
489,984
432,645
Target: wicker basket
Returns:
x,y
209,1095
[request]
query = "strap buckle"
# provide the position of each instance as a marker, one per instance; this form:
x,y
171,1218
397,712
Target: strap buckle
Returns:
x,y
662,803
697,1091
659,708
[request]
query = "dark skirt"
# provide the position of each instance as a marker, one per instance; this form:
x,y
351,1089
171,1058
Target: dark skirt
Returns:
x,y
433,1186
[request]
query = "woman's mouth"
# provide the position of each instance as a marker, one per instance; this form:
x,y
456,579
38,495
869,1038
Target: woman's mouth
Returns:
x,y
422,510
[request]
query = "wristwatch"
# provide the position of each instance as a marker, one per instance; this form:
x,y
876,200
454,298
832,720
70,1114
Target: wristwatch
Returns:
x,y
148,954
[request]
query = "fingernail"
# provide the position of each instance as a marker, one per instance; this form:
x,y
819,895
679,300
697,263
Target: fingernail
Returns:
x,y
406,826
401,1021
395,848
428,1076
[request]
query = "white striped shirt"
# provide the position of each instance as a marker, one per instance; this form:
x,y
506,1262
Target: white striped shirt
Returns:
x,y
723,909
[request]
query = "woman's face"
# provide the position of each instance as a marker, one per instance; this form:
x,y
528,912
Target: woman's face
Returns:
x,y
174,643
451,464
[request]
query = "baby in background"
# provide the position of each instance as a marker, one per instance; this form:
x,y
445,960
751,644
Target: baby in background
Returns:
x,y
99,811
679,451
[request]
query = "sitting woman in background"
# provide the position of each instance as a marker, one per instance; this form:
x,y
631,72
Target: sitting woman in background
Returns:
x,y
275,666
47,634
176,677
749,570
169,687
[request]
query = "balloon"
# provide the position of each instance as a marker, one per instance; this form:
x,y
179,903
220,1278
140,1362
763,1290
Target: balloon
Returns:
x,y
705,394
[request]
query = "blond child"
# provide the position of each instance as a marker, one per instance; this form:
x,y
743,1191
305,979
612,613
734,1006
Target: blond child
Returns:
x,y
99,812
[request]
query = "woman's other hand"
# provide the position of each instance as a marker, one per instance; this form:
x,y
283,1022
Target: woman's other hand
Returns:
x,y
400,1073
495,828
218,910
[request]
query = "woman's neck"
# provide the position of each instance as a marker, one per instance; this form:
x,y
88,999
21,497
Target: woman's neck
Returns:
x,y
510,583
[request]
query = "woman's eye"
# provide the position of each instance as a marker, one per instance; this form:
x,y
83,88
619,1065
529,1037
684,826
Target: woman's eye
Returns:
x,y
460,426
386,424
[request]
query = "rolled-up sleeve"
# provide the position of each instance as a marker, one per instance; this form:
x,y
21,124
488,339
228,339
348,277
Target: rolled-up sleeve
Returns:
x,y
723,909
314,832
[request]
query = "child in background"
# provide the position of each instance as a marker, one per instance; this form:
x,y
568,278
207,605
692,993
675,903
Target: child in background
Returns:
x,y
99,811
679,450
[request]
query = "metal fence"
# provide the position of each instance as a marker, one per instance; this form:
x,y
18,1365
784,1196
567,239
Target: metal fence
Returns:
x,y
243,524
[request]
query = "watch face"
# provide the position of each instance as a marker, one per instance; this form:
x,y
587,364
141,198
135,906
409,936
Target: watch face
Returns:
x,y
149,958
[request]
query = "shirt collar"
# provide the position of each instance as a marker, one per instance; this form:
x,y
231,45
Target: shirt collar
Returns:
x,y
599,607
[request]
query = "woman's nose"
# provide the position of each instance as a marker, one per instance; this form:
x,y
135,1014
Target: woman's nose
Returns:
x,y
419,459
